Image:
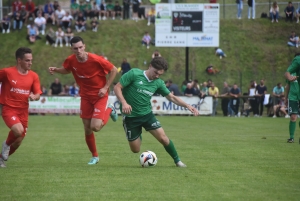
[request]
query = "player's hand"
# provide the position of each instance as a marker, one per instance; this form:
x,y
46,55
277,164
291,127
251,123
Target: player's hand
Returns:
x,y
52,70
193,110
102,92
33,97
126,109
293,78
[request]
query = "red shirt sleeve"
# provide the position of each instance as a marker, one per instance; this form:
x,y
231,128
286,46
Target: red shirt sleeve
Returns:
x,y
67,64
106,65
36,86
2,75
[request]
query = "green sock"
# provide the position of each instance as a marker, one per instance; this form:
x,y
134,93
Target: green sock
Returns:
x,y
170,148
292,128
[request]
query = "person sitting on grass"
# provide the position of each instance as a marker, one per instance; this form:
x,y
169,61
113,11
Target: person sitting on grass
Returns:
x,y
280,107
289,12
211,70
294,40
274,12
146,40
220,53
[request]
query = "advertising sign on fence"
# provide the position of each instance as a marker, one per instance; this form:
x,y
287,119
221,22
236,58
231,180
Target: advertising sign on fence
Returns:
x,y
160,105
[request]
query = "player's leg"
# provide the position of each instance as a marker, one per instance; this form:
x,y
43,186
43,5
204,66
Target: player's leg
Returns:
x,y
153,126
293,112
133,130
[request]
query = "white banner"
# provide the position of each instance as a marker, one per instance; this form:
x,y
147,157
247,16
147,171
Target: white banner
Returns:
x,y
160,105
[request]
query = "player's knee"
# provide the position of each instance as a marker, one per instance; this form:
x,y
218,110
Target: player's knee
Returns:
x,y
135,149
96,128
18,131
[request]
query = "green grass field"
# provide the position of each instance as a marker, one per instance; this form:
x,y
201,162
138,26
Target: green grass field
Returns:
x,y
227,160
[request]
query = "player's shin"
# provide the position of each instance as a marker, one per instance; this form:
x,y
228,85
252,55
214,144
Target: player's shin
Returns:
x,y
292,128
11,138
170,148
91,143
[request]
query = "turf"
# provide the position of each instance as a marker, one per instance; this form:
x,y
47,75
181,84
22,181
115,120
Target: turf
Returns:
x,y
227,159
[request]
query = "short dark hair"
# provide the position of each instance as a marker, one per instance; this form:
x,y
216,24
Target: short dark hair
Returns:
x,y
159,63
22,51
76,39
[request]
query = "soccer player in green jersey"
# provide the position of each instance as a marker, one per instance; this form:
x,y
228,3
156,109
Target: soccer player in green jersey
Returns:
x,y
134,92
293,94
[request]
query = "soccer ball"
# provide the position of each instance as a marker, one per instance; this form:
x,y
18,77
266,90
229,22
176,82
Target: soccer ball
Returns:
x,y
154,1
148,159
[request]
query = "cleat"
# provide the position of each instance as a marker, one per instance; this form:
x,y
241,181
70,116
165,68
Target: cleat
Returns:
x,y
5,151
113,114
2,164
180,164
93,161
291,140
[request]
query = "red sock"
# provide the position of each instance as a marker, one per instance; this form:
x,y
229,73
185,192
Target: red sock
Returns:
x,y
91,143
12,150
106,115
10,138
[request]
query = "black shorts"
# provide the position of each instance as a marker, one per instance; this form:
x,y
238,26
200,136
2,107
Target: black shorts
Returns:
x,y
135,8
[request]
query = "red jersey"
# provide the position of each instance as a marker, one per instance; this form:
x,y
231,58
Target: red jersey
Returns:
x,y
30,7
16,5
90,75
16,87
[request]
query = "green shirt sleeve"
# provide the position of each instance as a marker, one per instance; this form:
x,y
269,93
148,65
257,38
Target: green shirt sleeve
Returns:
x,y
162,89
295,66
127,78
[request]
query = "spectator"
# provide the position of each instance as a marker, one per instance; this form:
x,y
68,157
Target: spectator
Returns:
x,y
87,9
251,9
68,36
44,90
196,86
55,88
30,8
66,21
239,4
183,86
294,40
189,91
80,23
146,40
289,12
203,92
59,37
65,90
173,88
151,16
5,24
50,37
156,54
125,66
74,90
18,21
32,32
59,14
110,10
212,1
209,83
118,10
211,70
49,12
23,14
252,100
40,23
280,107
135,9
261,91
297,14
235,92
102,10
274,12
38,10
278,92
74,9
16,5
225,99
126,6
219,52
214,92
55,5
95,10
94,24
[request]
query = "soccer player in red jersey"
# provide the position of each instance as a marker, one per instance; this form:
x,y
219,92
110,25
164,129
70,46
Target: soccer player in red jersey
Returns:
x,y
89,71
19,84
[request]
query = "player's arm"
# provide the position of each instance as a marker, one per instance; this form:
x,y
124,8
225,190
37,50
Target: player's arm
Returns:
x,y
287,91
126,109
180,102
111,77
61,70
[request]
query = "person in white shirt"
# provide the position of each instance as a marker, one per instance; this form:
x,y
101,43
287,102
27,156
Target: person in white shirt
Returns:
x,y
40,23
59,14
66,21
59,37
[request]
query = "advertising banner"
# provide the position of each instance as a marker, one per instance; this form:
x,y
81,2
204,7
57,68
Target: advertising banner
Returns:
x,y
160,105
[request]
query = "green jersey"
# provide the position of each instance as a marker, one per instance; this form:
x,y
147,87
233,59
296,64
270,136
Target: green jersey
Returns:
x,y
138,90
294,92
294,69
